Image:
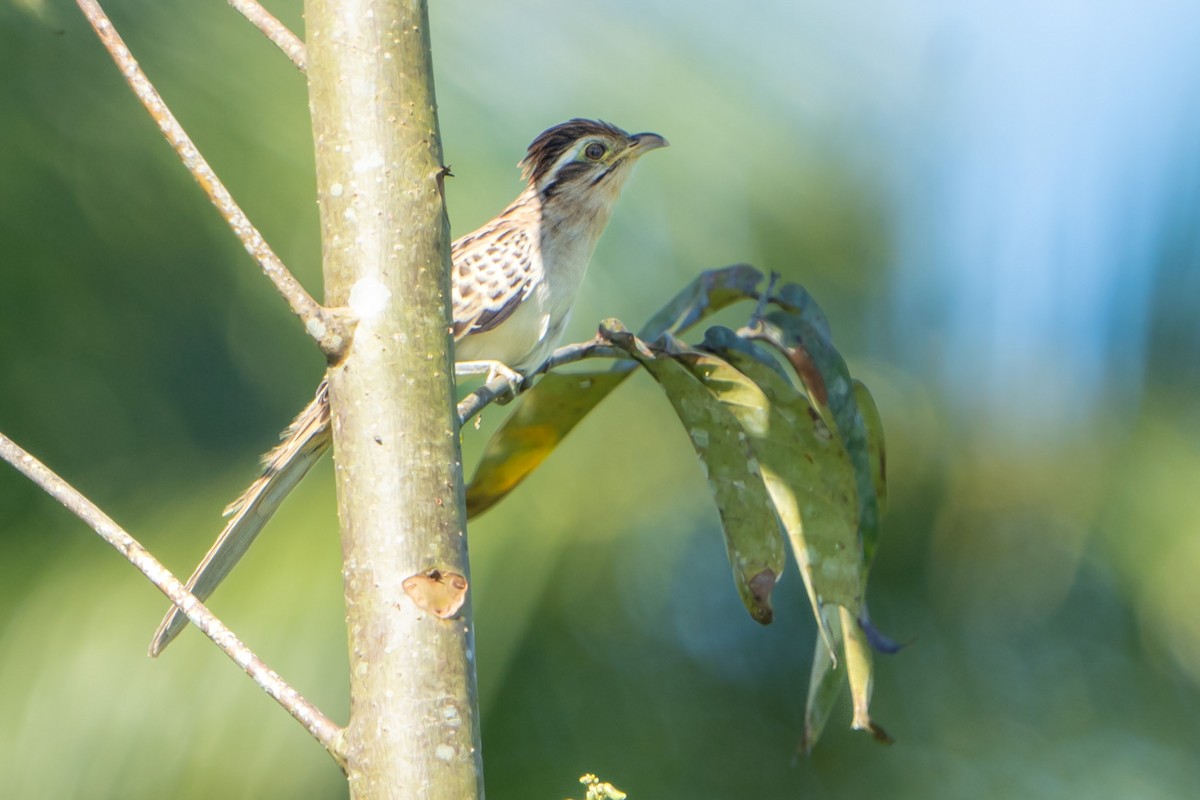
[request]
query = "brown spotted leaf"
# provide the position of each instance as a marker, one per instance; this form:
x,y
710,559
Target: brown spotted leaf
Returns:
x,y
825,376
805,467
751,531
801,335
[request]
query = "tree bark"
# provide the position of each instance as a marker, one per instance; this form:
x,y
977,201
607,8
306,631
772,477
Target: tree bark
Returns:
x,y
413,729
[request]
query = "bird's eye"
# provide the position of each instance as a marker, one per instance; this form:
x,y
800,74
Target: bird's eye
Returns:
x,y
594,151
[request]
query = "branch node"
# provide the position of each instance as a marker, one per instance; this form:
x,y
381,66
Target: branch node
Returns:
x,y
333,331
301,302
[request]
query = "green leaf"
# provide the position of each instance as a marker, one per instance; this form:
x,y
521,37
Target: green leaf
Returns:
x,y
711,291
555,405
804,465
877,456
824,685
800,335
824,374
751,531
797,300
809,457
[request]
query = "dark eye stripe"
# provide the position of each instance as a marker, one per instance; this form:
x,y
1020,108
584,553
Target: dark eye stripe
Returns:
x,y
601,176
566,174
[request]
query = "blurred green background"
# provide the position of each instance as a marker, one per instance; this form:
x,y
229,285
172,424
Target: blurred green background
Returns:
x,y
997,206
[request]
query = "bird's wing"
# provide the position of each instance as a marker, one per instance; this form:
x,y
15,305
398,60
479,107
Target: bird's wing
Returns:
x,y
493,273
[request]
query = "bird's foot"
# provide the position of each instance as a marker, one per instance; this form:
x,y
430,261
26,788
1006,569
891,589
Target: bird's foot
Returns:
x,y
495,370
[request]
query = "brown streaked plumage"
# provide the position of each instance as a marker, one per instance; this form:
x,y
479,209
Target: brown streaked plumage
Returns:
x,y
514,281
516,277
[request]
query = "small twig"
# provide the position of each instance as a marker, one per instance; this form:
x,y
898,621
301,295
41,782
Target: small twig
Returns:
x,y
327,327
274,30
500,388
324,730
570,353
482,397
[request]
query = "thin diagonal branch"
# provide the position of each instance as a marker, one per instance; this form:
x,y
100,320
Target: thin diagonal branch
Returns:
x,y
570,353
324,730
274,30
500,389
328,328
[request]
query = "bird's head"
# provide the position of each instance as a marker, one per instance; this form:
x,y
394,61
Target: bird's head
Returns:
x,y
584,161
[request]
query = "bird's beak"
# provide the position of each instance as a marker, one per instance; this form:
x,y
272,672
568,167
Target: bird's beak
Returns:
x,y
645,142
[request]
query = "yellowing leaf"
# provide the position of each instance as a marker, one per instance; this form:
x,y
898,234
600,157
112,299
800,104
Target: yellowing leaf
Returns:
x,y
542,419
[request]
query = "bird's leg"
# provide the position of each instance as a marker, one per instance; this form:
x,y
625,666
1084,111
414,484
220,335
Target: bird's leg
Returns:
x,y
493,370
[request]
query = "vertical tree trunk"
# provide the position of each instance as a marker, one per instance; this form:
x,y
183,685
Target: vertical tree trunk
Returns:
x,y
413,728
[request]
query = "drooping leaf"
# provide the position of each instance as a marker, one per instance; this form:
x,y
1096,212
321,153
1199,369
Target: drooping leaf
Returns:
x,y
877,455
734,475
711,291
554,406
859,670
824,374
826,680
802,338
804,465
797,300
824,684
815,451
543,417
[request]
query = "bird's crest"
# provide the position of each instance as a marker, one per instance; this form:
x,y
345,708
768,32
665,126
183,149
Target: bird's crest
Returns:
x,y
548,147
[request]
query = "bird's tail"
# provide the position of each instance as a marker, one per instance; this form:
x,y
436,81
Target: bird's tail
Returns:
x,y
303,443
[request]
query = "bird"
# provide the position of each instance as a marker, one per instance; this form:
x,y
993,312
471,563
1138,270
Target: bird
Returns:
x,y
514,281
